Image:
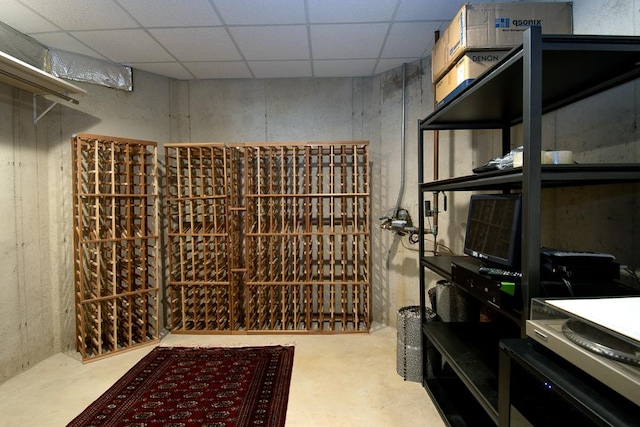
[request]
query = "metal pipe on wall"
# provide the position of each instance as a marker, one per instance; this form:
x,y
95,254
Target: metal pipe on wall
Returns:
x,y
404,141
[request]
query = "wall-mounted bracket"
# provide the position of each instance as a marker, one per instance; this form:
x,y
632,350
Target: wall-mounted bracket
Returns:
x,y
37,117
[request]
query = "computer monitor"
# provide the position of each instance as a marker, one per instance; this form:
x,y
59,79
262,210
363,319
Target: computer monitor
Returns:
x,y
494,230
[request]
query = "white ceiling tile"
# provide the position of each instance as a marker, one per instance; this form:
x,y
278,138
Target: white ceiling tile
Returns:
x,y
172,13
336,11
217,37
219,70
21,18
74,15
64,41
409,39
343,68
342,41
272,42
261,12
197,44
174,70
124,46
280,69
421,10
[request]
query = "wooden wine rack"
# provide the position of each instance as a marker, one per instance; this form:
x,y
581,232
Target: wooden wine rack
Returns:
x,y
115,223
306,217
201,293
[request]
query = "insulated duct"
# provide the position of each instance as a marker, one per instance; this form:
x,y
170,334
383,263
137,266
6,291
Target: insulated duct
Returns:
x,y
17,45
66,65
80,68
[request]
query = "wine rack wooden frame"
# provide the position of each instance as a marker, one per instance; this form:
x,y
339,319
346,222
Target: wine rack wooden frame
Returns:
x,y
203,298
306,236
116,245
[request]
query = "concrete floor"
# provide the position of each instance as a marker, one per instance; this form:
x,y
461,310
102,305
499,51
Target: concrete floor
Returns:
x,y
338,380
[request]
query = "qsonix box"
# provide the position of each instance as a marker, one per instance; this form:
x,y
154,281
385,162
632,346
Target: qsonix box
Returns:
x,y
496,26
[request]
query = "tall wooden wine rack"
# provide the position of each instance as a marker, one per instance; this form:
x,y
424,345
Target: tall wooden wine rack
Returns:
x,y
201,293
306,237
265,237
115,219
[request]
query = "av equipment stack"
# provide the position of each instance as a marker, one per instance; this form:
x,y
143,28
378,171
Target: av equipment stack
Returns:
x,y
543,74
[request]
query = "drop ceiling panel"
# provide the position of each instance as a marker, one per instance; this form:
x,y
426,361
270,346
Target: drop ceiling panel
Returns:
x,y
64,41
344,68
219,70
280,69
409,39
433,10
174,70
172,13
339,11
277,42
261,12
341,41
72,15
197,44
24,19
247,36
124,45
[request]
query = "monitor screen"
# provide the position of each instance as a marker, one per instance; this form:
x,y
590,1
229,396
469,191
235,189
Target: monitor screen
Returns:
x,y
494,229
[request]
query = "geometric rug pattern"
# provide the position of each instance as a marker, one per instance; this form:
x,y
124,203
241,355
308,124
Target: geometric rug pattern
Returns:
x,y
210,386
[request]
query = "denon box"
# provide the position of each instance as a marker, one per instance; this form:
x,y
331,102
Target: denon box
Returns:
x,y
470,66
496,26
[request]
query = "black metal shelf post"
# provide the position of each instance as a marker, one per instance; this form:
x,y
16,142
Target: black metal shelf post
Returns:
x,y
531,175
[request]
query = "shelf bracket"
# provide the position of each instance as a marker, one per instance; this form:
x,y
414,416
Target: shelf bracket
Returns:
x,y
37,117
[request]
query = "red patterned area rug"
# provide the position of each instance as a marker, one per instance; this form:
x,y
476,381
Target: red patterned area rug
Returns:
x,y
214,387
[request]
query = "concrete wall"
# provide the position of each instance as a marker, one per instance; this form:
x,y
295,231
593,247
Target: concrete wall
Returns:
x,y
27,320
37,308
36,274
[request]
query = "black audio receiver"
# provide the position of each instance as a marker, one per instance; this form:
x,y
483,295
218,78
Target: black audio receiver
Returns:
x,y
502,292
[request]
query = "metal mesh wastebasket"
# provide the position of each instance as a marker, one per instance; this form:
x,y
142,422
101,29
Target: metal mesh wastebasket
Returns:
x,y
409,353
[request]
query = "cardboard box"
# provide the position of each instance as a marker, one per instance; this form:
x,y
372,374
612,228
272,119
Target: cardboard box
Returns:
x,y
470,66
495,26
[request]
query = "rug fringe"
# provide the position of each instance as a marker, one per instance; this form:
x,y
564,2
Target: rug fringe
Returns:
x,y
196,346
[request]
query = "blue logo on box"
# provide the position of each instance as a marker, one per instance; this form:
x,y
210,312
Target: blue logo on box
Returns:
x,y
502,23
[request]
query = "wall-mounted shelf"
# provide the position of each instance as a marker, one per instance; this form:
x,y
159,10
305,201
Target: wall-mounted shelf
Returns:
x,y
17,73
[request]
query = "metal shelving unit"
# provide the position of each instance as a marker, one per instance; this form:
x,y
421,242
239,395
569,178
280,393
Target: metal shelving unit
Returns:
x,y
537,77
